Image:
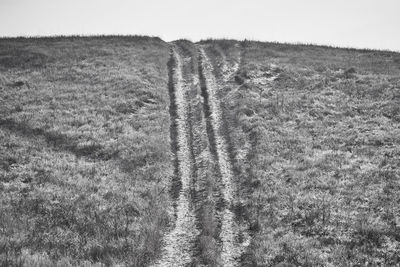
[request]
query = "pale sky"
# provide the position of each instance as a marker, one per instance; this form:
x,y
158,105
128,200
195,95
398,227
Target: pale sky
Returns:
x,y
348,23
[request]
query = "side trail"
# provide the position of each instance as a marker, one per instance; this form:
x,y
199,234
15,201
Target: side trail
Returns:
x,y
228,69
205,232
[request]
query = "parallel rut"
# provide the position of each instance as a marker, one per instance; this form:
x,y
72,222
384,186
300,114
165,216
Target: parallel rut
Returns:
x,y
179,243
205,232
231,249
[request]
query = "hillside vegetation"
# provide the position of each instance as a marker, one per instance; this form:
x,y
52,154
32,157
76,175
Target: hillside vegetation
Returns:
x,y
129,151
320,130
84,150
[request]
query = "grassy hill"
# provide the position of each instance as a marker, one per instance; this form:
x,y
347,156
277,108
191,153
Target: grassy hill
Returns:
x,y
87,169
320,178
84,151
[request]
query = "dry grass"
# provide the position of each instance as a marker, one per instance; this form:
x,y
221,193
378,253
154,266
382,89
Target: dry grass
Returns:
x,y
317,154
84,154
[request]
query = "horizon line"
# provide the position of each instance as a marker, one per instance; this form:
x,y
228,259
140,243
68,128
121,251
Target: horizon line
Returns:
x,y
95,35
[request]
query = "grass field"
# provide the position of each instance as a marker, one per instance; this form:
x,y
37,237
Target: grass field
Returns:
x,y
84,150
320,128
86,163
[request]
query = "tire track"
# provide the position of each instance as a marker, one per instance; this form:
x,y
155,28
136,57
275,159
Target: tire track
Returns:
x,y
206,183
231,249
205,230
179,243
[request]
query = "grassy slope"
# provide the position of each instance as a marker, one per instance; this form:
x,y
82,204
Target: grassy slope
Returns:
x,y
84,150
321,175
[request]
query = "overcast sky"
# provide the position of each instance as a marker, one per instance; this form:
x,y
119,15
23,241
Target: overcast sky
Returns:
x,y
349,23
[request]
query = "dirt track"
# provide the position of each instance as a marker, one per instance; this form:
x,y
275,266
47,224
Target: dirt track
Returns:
x,y
205,231
179,242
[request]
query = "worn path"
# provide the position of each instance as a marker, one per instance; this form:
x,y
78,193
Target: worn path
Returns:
x,y
204,219
179,243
